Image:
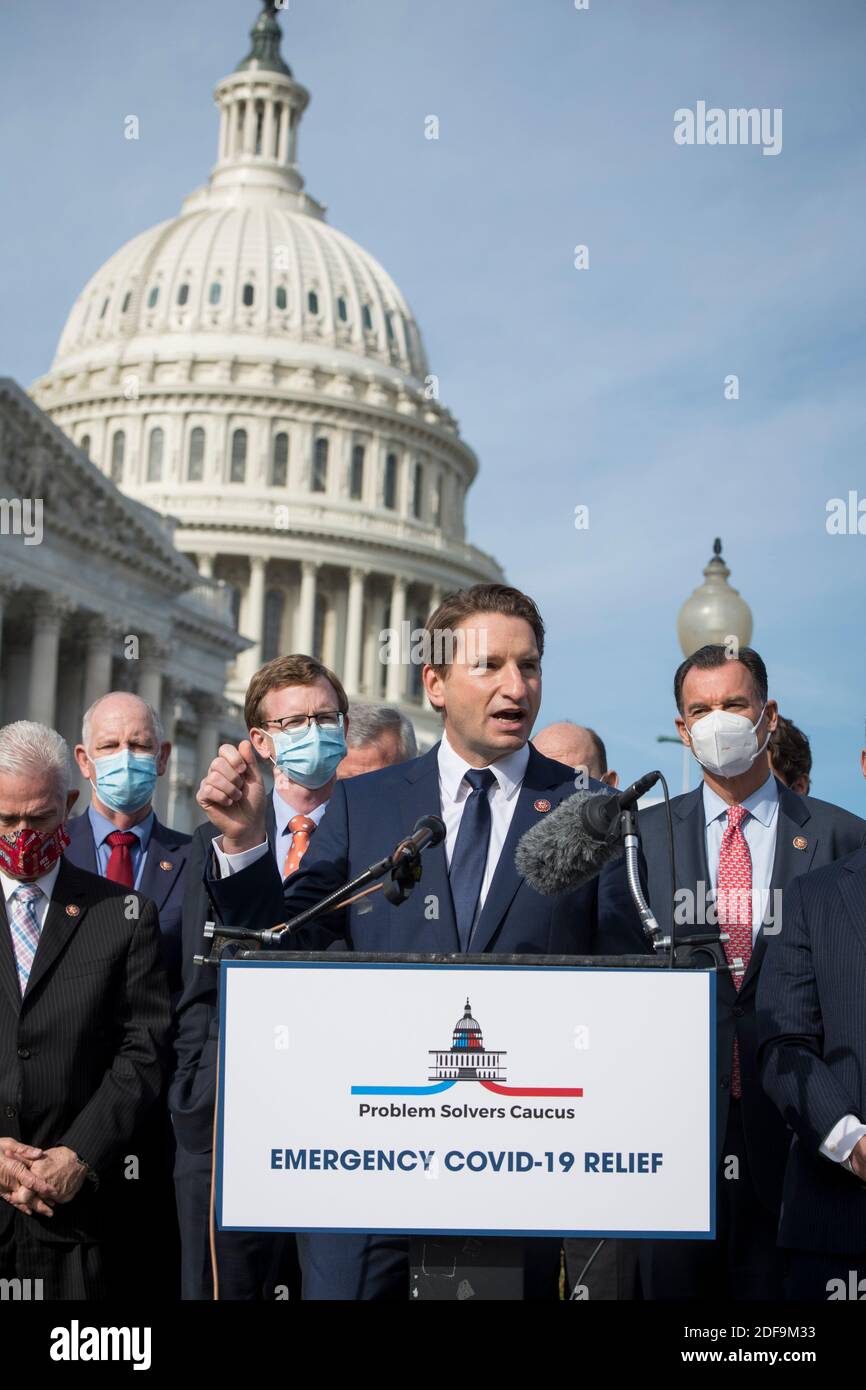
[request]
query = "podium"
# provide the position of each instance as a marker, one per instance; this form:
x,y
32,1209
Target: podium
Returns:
x,y
472,1102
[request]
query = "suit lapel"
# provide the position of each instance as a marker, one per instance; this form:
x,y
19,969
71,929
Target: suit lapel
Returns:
x,y
536,786
157,879
421,798
8,968
66,910
690,843
788,862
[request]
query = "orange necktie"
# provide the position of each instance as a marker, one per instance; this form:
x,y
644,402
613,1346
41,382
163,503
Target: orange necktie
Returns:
x,y
302,828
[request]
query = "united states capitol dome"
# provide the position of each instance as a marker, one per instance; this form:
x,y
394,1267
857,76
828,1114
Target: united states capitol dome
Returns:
x,y
256,376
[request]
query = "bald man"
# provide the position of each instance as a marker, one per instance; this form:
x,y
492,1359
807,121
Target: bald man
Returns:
x,y
577,747
122,753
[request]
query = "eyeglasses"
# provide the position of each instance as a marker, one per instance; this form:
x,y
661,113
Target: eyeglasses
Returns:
x,y
299,723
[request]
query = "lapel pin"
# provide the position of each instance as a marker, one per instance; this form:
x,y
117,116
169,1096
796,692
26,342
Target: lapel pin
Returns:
x,y
541,804
166,864
72,910
800,842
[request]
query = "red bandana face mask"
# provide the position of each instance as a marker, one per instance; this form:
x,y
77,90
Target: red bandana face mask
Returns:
x,y
26,854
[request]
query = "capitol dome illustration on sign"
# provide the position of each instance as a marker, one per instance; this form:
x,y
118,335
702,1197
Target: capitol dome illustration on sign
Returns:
x,y
256,376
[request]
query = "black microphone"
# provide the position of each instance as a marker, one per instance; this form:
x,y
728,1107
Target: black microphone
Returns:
x,y
573,844
429,831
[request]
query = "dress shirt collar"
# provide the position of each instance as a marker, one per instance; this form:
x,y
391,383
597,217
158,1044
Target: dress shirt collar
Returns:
x,y
283,813
509,771
761,804
45,881
102,827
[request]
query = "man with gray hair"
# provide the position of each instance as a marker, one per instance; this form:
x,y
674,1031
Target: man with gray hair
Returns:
x,y
122,753
378,736
84,1029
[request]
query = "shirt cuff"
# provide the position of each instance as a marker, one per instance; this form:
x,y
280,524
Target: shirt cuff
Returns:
x,y
842,1139
233,863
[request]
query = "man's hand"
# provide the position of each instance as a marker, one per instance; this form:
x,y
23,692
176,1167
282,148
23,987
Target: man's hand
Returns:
x,y
858,1158
19,1185
62,1168
232,797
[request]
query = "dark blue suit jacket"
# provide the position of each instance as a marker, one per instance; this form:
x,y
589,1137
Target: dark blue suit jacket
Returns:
x,y
193,1084
162,882
829,833
367,816
812,1030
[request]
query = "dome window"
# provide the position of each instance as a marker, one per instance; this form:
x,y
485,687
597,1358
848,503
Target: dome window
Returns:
x,y
118,449
154,455
84,446
389,326
342,311
153,297
214,293
248,296
282,299
280,464
195,461
313,302
390,489
104,309
367,318
239,457
183,295
275,601
320,466
126,301
356,481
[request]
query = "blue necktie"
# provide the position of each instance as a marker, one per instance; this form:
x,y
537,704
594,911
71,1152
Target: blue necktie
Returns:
x,y
470,852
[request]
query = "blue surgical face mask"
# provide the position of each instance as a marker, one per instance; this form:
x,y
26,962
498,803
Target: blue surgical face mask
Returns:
x,y
310,758
124,780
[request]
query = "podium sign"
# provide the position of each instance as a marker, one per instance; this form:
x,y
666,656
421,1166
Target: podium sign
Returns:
x,y
466,1098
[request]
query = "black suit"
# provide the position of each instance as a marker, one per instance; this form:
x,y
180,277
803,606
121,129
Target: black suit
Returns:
x,y
251,1264
812,1026
82,1058
752,1129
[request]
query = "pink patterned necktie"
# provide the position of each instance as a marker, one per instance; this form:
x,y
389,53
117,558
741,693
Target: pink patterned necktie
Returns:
x,y
735,911
24,928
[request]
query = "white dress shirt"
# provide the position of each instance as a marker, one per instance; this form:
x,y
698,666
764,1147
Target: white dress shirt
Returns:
x,y
45,881
509,772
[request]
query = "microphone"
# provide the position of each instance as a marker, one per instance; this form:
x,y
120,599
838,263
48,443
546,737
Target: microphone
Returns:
x,y
573,844
429,831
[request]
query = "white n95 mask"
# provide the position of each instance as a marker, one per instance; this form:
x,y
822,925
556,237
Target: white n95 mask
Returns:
x,y
726,744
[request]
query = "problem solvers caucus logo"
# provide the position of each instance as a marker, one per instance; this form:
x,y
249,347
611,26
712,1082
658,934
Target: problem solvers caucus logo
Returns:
x,y
467,1059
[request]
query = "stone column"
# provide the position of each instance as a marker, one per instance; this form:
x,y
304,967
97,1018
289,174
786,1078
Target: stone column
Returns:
x,y
354,631
285,124
209,710
162,795
249,142
396,679
305,626
150,672
268,131
48,617
255,613
205,564
98,641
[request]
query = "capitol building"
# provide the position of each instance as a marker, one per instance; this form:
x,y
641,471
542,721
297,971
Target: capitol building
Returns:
x,y
252,387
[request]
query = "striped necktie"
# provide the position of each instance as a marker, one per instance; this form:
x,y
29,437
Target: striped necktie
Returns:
x,y
24,927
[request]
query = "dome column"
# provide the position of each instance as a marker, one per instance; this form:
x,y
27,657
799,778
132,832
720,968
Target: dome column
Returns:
x,y
396,680
306,621
354,630
254,617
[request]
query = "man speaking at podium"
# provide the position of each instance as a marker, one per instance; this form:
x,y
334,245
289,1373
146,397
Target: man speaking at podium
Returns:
x,y
483,674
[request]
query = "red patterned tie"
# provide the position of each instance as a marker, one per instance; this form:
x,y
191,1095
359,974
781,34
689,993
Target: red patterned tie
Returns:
x,y
735,911
302,828
120,860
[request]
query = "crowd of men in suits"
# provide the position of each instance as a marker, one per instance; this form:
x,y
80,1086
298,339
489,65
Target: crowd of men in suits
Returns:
x,y
109,1029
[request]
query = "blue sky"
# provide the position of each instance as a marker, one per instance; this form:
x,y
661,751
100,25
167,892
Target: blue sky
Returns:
x,y
601,387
